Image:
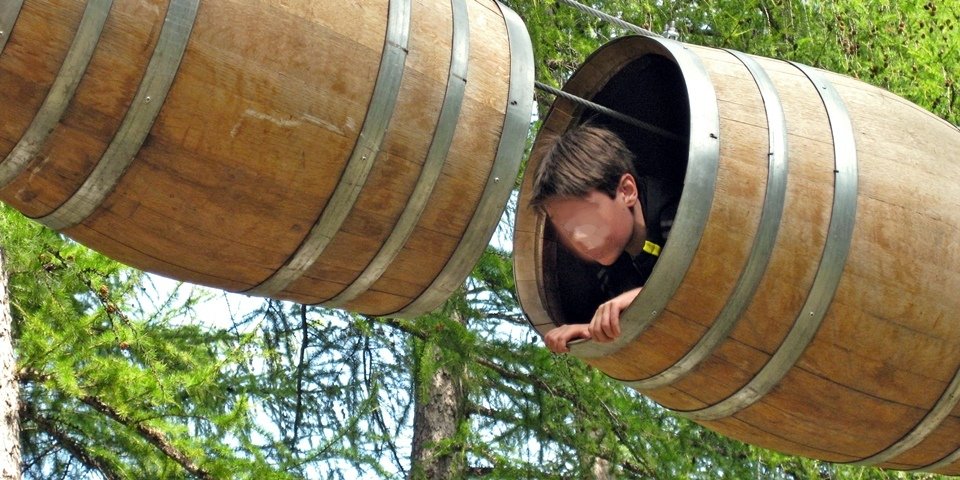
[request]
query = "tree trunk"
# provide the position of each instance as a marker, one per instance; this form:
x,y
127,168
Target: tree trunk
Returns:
x,y
440,409
600,469
9,389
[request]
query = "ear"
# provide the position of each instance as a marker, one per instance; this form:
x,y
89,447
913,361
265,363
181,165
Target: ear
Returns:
x,y
628,188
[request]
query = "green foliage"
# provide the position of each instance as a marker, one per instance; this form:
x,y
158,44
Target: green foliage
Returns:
x,y
114,386
907,47
121,380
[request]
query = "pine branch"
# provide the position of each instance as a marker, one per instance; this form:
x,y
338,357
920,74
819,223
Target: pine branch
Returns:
x,y
642,468
479,471
87,458
150,434
370,381
298,416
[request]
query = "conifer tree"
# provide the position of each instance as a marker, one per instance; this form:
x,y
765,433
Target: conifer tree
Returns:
x,y
9,390
119,379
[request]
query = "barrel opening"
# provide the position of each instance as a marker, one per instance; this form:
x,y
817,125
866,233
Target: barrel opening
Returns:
x,y
649,88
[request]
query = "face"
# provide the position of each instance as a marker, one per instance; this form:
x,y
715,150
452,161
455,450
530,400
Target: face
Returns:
x,y
595,227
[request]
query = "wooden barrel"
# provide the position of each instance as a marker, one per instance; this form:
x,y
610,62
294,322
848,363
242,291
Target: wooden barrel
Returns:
x,y
356,154
808,299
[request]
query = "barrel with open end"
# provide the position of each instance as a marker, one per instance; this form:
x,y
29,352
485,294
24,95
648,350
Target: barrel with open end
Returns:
x,y
806,300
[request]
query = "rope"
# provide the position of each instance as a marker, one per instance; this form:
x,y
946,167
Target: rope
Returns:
x,y
610,18
610,113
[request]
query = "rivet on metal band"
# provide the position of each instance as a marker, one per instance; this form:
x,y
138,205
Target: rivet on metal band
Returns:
x,y
432,165
506,165
9,11
699,184
940,411
138,120
829,271
763,242
361,160
61,92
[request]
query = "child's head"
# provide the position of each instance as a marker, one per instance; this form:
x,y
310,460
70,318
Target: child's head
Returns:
x,y
585,158
586,184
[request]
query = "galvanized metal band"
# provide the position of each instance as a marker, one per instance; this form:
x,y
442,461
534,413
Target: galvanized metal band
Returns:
x,y
763,242
829,271
940,464
506,166
432,165
9,12
361,160
699,184
138,120
949,459
930,422
61,92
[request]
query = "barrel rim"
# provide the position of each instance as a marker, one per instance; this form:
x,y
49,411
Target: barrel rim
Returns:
x,y
699,184
697,196
499,186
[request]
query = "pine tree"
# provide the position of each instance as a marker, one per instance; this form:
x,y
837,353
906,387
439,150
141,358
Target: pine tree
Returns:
x,y
9,390
122,380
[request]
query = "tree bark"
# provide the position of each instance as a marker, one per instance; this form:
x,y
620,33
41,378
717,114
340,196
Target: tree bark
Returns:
x,y
9,389
440,409
600,470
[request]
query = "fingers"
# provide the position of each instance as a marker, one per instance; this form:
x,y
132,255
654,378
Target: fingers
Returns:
x,y
605,326
557,338
556,343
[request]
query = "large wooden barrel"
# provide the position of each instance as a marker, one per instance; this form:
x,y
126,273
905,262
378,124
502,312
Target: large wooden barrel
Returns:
x,y
808,299
357,154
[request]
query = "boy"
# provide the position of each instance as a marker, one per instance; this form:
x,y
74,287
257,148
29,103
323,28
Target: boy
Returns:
x,y
587,185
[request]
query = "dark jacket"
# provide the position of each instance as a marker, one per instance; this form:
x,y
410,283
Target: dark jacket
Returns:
x,y
659,201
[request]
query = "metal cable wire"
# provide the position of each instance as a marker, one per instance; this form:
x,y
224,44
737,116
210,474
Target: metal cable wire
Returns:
x,y
610,113
609,18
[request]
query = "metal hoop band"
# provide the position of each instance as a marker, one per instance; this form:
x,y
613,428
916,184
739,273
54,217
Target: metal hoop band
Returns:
x,y
361,159
432,166
138,121
763,243
836,249
513,139
61,92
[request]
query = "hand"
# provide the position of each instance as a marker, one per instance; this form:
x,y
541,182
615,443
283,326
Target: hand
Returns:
x,y
605,325
557,338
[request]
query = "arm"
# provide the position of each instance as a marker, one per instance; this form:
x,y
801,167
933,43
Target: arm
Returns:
x,y
605,325
557,338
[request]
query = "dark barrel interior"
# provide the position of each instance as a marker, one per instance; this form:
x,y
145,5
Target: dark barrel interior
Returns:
x,y
651,89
